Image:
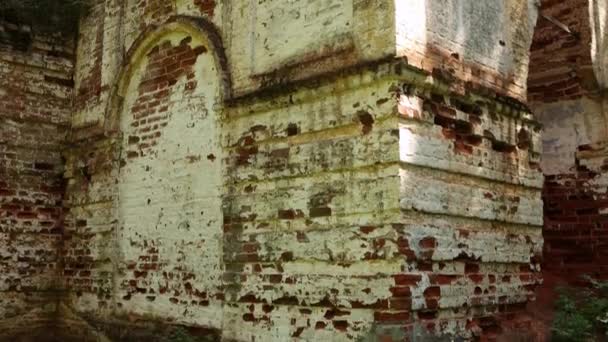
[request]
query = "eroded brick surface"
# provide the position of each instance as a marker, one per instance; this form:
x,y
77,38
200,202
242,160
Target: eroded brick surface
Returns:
x,y
575,227
231,177
561,65
35,89
482,45
563,92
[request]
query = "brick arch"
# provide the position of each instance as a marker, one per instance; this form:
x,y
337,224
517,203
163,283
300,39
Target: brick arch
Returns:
x,y
195,26
165,116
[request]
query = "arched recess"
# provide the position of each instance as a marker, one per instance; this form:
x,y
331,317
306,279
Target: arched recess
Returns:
x,y
165,112
199,27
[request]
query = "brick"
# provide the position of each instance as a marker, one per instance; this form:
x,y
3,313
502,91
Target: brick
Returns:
x,y
281,190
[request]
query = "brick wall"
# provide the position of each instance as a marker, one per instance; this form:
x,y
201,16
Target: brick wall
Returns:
x,y
327,230
312,195
156,185
484,45
89,61
106,34
560,62
466,166
35,90
565,97
384,201
373,222
563,93
576,226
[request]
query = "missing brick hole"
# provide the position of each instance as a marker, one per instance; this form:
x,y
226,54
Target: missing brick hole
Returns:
x,y
524,141
292,129
41,166
466,107
367,120
86,173
463,128
64,82
474,140
443,121
438,98
460,127
503,147
586,147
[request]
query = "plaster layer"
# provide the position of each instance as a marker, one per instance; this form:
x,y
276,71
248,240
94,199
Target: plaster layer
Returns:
x,y
301,170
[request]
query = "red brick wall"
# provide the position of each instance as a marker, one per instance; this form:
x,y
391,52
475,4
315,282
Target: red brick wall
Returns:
x,y
576,227
88,197
562,91
560,71
167,64
560,62
35,90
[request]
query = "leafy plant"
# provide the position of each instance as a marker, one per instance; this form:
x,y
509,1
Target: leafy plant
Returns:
x,y
581,315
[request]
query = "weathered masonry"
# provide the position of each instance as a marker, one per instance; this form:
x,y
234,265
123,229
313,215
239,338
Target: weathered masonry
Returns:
x,y
320,170
566,92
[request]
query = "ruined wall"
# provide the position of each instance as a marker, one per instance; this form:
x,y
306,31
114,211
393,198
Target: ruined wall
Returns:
x,y
170,166
292,176
165,162
576,219
564,94
415,211
470,201
35,89
481,45
107,33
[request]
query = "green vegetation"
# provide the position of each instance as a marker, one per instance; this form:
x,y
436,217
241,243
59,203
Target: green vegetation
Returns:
x,y
581,315
180,334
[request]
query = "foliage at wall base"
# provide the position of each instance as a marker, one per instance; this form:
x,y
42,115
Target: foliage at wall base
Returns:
x,y
581,315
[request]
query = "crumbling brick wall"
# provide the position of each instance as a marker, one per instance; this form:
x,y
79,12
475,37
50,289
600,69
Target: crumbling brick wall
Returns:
x,y
299,182
168,107
576,222
376,225
35,89
564,94
561,66
467,165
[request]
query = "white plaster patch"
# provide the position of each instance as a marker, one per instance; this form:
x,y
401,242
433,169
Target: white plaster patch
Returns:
x,y
169,199
284,30
567,125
